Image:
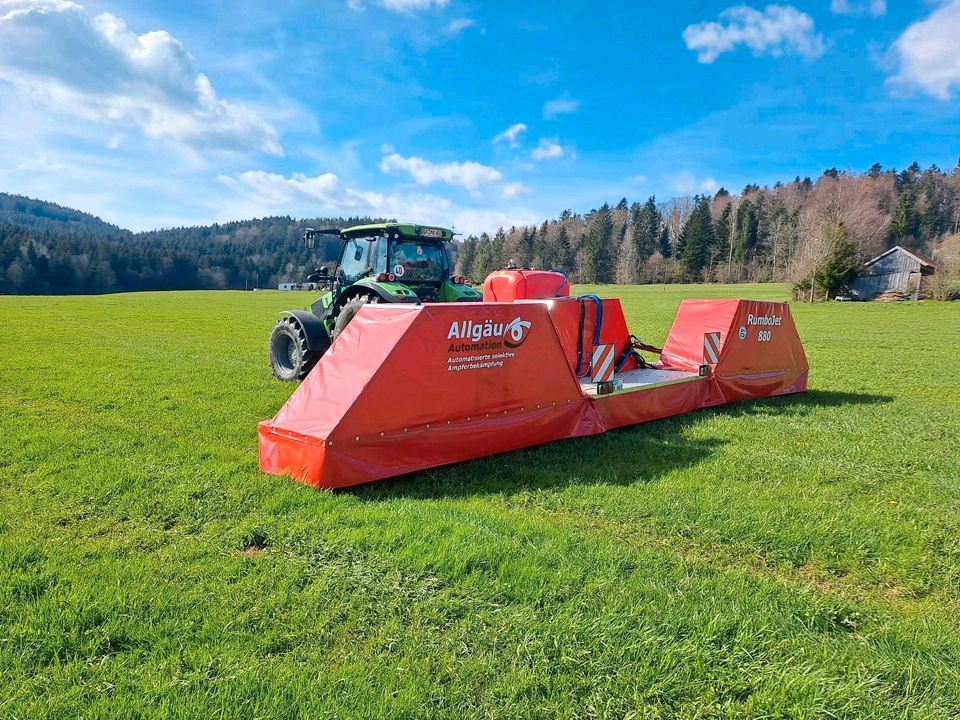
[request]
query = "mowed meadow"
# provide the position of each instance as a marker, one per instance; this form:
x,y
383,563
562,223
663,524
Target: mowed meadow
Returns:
x,y
793,557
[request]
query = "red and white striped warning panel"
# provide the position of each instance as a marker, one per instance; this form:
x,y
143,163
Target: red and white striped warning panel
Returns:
x,y
711,348
602,364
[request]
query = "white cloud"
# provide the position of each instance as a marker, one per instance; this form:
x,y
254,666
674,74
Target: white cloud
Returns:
x,y
260,193
511,134
401,6
778,30
515,189
94,67
276,191
927,54
454,27
549,149
858,7
560,106
411,5
686,182
468,175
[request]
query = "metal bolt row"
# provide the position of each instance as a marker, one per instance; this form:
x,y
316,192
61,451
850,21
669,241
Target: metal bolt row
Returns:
x,y
329,443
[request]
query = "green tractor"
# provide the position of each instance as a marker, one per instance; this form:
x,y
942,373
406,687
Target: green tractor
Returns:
x,y
386,262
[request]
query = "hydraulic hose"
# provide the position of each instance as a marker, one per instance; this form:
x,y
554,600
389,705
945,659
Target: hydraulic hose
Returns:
x,y
596,331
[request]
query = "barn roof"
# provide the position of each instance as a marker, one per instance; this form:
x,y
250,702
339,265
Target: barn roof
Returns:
x,y
919,258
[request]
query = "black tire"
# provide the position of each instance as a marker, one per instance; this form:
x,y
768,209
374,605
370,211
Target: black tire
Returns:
x,y
290,360
351,308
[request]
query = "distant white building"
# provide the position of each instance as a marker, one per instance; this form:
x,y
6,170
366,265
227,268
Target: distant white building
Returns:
x,y
299,286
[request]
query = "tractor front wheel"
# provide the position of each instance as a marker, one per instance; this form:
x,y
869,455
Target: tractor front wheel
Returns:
x,y
290,359
347,312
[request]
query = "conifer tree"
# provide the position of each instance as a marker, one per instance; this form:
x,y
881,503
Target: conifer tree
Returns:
x,y
721,233
932,220
595,262
654,220
541,256
697,239
840,268
745,235
468,251
638,228
904,221
563,250
645,229
665,242
483,259
497,260
524,250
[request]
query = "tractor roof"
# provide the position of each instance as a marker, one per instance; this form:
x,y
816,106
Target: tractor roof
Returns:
x,y
422,231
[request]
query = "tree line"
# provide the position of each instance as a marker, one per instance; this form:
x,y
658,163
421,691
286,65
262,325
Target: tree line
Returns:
x,y
813,234
43,258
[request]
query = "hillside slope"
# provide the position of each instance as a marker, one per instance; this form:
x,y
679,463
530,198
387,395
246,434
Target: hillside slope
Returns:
x,y
28,212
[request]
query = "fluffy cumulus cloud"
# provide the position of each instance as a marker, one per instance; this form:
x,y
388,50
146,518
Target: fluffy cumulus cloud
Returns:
x,y
400,6
858,7
548,149
511,135
263,193
777,30
96,68
299,190
469,175
927,56
560,106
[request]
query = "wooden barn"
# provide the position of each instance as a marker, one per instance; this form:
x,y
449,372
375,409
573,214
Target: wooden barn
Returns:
x,y
897,270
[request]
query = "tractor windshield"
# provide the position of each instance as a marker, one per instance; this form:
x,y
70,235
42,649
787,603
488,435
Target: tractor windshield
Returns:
x,y
362,257
416,261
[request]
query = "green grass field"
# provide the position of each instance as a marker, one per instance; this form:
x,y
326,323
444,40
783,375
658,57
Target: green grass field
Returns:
x,y
796,557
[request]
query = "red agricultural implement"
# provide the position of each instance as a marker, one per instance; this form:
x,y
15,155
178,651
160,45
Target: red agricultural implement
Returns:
x,y
408,387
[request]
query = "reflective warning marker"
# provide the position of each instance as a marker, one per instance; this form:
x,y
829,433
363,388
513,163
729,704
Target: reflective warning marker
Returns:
x,y
602,363
711,348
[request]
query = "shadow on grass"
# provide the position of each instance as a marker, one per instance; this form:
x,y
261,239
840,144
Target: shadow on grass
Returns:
x,y
636,454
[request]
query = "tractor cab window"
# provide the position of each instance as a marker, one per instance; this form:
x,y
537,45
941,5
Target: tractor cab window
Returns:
x,y
380,263
414,261
356,261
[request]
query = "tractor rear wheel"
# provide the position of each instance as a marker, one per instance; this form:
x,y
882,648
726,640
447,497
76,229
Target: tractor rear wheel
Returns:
x,y
290,359
351,308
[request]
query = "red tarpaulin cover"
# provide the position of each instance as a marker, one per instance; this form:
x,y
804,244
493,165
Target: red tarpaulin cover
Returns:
x,y
406,388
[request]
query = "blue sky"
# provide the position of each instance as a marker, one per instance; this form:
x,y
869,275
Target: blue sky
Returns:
x,y
459,111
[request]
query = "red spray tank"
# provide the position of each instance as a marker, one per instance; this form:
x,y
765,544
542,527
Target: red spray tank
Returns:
x,y
510,285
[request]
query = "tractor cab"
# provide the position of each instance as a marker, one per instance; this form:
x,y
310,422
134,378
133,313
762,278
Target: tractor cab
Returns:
x,y
419,263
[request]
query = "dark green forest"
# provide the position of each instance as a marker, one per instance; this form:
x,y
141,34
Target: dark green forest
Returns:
x,y
49,249
812,233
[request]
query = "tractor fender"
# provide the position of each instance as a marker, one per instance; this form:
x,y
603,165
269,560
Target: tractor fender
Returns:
x,y
372,289
318,339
